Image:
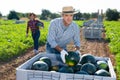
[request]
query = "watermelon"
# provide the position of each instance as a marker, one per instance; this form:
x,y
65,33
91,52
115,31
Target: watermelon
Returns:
x,y
46,60
66,69
72,58
102,72
102,65
76,67
40,65
55,68
87,58
39,24
89,68
82,72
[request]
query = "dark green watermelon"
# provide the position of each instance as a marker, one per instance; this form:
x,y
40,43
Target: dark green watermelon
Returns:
x,y
89,68
72,58
81,72
102,65
40,65
39,24
102,72
77,67
87,58
46,60
66,69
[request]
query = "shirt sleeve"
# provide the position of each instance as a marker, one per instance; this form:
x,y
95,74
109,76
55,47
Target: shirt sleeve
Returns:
x,y
76,37
52,35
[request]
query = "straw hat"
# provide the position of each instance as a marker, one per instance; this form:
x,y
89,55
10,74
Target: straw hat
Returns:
x,y
68,10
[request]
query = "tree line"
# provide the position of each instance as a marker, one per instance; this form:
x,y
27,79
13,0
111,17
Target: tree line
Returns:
x,y
110,15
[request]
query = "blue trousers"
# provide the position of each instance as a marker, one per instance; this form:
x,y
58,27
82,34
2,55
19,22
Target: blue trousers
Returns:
x,y
35,36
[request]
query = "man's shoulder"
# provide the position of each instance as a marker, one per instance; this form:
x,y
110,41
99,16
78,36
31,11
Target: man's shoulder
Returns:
x,y
56,20
74,24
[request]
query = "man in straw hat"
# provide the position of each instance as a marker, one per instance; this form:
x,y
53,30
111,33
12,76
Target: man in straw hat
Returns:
x,y
61,32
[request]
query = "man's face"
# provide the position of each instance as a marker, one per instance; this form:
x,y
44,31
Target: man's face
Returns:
x,y
67,18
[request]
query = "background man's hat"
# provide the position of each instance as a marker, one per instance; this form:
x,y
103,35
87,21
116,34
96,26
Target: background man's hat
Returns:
x,y
68,10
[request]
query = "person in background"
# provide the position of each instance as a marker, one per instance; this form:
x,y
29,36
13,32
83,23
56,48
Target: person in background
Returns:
x,y
34,26
61,32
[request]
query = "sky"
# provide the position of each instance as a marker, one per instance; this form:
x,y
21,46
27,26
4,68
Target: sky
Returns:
x,y
26,6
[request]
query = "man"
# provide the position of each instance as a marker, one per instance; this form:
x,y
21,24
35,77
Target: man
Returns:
x,y
61,32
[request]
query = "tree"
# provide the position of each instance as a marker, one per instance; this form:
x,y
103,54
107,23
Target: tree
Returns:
x,y
45,14
77,16
94,15
13,15
119,14
54,15
0,14
86,15
26,14
20,14
112,14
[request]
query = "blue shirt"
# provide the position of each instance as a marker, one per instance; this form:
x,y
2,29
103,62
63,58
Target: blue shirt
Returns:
x,y
62,35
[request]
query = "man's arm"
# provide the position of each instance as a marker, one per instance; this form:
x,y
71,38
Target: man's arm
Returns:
x,y
58,48
52,35
76,38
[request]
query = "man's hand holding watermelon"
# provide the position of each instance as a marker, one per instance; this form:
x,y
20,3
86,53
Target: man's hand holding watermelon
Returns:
x,y
63,53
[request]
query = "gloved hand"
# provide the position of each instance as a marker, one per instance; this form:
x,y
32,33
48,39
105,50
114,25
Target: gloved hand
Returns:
x,y
63,53
77,51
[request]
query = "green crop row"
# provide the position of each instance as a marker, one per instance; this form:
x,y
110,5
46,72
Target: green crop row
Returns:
x,y
13,40
113,36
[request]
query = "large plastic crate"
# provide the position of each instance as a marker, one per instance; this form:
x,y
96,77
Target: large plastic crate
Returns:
x,y
92,33
23,72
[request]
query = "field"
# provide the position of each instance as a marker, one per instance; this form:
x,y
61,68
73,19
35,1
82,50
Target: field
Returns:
x,y
15,48
13,40
113,36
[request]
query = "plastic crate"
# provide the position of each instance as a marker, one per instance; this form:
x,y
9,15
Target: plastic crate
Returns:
x,y
92,33
23,72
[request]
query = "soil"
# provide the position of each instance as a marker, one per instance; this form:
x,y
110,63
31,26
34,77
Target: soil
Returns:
x,y
96,47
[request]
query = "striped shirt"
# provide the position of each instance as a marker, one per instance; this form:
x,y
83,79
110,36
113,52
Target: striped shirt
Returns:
x,y
61,35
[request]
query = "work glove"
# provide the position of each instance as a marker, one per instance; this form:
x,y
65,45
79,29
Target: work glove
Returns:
x,y
63,53
79,53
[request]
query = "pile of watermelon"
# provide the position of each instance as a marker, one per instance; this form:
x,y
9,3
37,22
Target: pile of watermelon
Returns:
x,y
86,64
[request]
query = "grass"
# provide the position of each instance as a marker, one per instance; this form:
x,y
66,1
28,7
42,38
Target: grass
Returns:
x,y
80,23
13,41
113,35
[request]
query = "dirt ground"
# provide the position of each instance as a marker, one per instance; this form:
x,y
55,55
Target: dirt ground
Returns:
x,y
95,47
